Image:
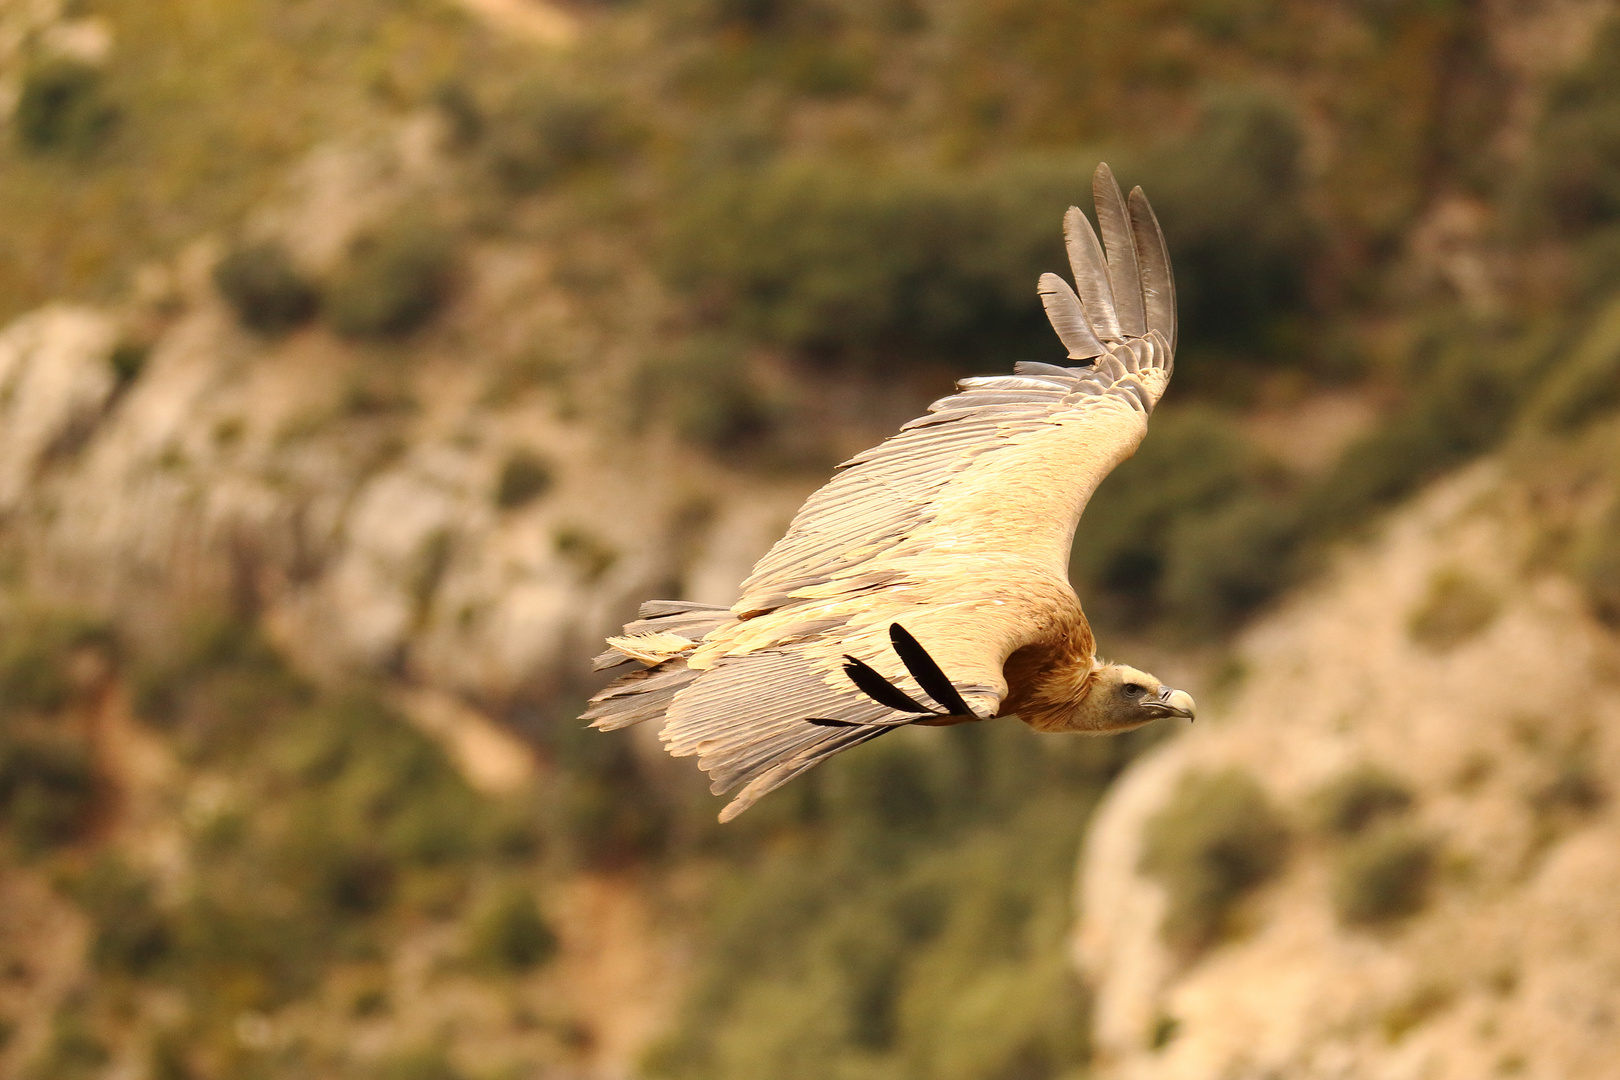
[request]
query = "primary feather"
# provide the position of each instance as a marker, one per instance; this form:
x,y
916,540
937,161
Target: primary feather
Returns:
x,y
956,531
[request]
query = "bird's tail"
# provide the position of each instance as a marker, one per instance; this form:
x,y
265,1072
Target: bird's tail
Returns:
x,y
661,638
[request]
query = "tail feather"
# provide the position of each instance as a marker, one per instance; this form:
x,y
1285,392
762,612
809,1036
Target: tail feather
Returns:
x,y
660,638
795,765
639,696
678,617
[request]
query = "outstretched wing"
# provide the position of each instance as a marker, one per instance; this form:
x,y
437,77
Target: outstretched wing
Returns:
x,y
957,529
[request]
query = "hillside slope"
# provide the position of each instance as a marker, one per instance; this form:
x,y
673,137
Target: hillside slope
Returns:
x,y
1444,690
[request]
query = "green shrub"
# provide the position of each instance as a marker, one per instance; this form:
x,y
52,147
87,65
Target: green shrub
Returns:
x,y
875,265
1585,383
35,665
938,955
1598,564
1461,409
1574,171
1358,798
1189,527
1574,788
131,935
1415,1009
74,1050
525,476
755,15
605,811
708,393
228,944
1383,874
216,688
1231,199
47,787
354,879
127,360
1222,566
264,288
167,1059
548,130
589,554
891,793
1455,609
1215,841
395,280
62,107
369,776
510,934
427,1063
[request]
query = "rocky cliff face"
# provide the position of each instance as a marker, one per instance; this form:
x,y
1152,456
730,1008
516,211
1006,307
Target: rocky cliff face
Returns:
x,y
1445,660
354,497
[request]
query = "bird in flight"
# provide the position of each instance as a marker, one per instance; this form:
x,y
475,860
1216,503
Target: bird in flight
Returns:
x,y
927,582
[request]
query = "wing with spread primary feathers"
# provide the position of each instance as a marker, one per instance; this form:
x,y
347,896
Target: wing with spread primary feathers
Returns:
x,y
957,529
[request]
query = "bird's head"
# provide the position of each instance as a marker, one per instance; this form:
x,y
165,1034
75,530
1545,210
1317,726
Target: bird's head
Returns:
x,y
1121,697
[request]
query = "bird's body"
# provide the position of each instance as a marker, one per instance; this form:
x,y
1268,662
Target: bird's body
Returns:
x,y
937,561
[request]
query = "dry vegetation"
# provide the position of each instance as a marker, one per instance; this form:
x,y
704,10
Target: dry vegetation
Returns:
x,y
755,205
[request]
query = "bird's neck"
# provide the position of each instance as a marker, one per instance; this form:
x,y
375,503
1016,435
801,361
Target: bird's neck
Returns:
x,y
1048,681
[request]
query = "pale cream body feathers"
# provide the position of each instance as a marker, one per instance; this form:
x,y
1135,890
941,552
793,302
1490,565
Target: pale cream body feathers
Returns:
x,y
958,530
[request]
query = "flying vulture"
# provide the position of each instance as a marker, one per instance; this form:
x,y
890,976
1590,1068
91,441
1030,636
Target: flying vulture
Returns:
x,y
927,582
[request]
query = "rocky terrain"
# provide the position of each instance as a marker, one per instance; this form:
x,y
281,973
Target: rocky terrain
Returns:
x,y
1445,657
362,365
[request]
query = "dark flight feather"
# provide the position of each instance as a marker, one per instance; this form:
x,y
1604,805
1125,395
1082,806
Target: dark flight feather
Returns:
x,y
923,668
879,689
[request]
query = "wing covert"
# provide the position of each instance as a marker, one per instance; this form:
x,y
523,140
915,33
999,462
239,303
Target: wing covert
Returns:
x,y
956,529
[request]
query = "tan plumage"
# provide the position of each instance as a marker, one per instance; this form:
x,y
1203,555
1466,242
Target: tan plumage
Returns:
x,y
957,530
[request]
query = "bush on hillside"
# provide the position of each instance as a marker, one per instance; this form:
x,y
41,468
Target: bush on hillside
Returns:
x,y
548,130
127,360
1598,564
1383,875
75,1049
1358,798
1456,608
888,936
47,787
1221,566
36,660
1461,409
214,690
430,1062
884,265
604,806
396,278
1585,383
264,288
1213,843
849,261
62,107
707,392
131,935
525,476
510,935
1189,528
1574,175
1231,200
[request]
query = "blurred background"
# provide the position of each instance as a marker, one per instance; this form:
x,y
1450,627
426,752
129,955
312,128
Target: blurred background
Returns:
x,y
362,362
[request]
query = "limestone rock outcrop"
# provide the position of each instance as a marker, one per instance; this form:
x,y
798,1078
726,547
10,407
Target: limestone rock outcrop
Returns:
x,y
1506,732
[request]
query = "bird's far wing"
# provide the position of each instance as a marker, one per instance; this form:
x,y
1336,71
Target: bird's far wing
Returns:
x,y
957,529
1061,429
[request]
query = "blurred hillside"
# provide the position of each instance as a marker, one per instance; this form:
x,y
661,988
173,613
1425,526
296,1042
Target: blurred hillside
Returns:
x,y
364,363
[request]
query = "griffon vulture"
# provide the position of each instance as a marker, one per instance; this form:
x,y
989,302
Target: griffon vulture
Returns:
x,y
927,582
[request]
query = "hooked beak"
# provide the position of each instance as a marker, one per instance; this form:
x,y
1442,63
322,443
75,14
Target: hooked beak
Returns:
x,y
1173,703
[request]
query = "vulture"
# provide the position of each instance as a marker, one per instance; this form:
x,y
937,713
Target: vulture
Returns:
x,y
927,582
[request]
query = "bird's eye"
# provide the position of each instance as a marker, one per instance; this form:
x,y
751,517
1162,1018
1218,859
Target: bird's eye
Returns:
x,y
1133,690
